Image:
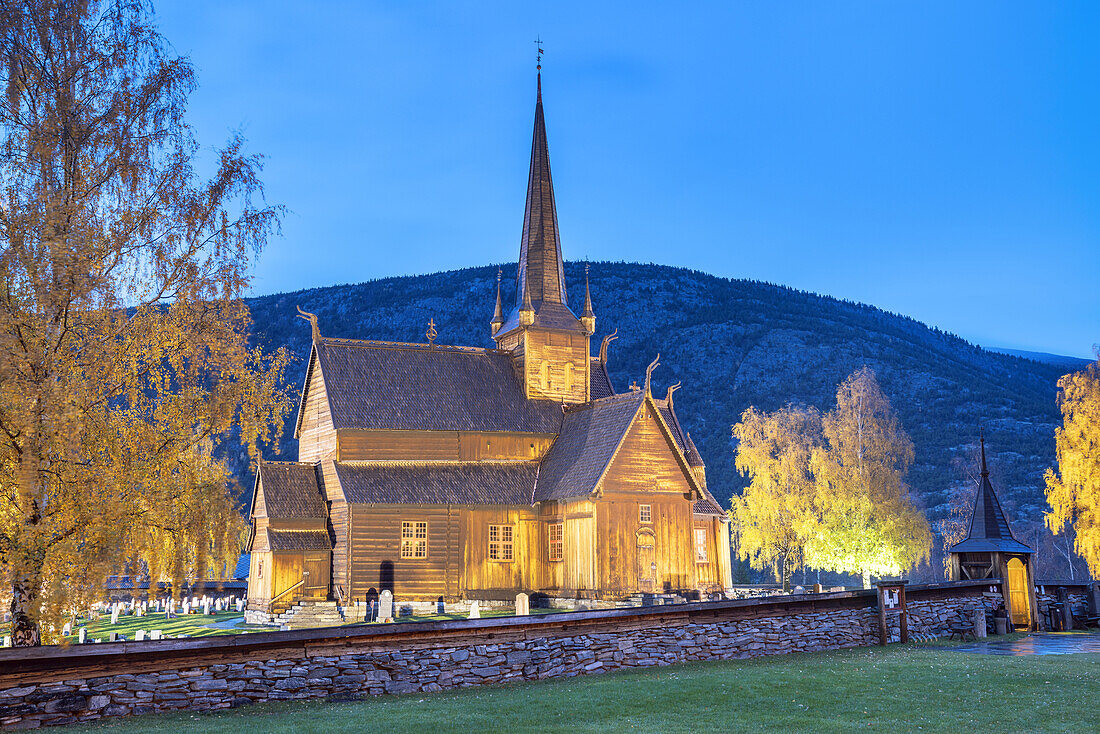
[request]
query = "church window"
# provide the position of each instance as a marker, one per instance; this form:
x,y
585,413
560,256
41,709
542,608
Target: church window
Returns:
x,y
414,539
700,545
544,375
500,543
570,377
557,536
645,513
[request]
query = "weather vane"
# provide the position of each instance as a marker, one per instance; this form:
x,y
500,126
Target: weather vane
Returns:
x,y
431,333
538,42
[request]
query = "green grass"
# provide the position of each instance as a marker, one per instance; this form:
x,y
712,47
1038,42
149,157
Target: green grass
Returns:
x,y
899,689
194,625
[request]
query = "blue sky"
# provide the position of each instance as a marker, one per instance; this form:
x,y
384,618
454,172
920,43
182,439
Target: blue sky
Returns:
x,y
937,159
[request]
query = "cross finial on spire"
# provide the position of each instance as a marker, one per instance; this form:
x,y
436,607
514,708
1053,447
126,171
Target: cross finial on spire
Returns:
x,y
538,42
431,333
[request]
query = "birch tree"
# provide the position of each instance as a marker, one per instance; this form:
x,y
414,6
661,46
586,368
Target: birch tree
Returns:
x,y
1073,491
776,513
123,336
869,524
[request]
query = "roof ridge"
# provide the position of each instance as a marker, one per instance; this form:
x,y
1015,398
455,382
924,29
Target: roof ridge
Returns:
x,y
408,346
605,399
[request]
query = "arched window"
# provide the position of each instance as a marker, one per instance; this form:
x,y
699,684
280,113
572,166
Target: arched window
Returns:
x,y
544,375
570,376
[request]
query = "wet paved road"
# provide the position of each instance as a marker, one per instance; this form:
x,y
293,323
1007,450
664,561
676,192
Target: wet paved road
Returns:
x,y
1037,643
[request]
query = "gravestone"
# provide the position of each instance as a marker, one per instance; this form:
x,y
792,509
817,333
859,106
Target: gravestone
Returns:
x,y
114,637
798,591
83,636
67,629
817,588
240,606
186,608
7,641
385,606
114,615
154,635
139,635
475,613
523,605
205,606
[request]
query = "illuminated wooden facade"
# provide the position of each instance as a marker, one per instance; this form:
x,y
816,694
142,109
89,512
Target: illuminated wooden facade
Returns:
x,y
460,472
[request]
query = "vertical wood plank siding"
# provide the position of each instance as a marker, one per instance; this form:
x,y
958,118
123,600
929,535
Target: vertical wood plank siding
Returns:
x,y
317,437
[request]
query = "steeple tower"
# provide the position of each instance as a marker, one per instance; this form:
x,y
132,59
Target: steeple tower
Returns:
x,y
548,341
541,276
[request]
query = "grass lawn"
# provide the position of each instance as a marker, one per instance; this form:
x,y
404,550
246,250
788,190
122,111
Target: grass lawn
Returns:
x,y
195,625
899,689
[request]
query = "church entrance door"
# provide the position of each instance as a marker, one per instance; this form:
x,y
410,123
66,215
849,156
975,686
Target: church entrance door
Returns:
x,y
647,562
1017,593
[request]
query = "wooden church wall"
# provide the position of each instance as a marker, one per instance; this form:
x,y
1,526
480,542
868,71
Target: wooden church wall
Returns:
x,y
317,437
489,578
580,564
360,445
375,551
645,471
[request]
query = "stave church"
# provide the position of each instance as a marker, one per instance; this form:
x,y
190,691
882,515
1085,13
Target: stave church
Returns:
x,y
476,473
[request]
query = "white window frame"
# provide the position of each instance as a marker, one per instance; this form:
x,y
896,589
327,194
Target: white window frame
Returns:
x,y
414,540
645,514
701,554
556,541
502,543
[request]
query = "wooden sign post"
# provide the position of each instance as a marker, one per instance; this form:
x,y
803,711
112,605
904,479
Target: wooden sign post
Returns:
x,y
886,592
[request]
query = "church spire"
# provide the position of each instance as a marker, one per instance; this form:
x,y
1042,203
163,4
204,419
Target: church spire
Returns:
x,y
541,277
588,316
498,313
985,469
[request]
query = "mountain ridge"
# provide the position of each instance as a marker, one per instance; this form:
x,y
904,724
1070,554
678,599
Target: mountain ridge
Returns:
x,y
733,343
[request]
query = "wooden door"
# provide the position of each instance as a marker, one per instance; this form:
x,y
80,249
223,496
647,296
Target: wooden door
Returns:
x,y
647,562
1018,593
315,574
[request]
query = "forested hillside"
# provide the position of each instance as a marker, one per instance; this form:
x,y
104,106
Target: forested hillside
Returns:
x,y
733,343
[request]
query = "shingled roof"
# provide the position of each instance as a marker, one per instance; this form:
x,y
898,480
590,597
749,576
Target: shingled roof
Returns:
x,y
385,385
589,436
290,490
298,540
438,483
706,504
599,380
989,530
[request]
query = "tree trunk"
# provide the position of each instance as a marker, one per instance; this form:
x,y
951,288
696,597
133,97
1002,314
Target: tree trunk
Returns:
x,y
29,556
24,629
785,573
867,579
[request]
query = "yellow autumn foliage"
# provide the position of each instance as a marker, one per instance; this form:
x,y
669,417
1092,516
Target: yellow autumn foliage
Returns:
x,y
124,347
1073,491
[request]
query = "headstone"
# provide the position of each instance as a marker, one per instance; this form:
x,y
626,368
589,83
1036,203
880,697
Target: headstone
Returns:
x,y
979,623
205,606
83,636
114,637
139,635
67,629
385,605
240,606
475,613
114,615
817,588
523,605
798,591
7,641
154,635
186,608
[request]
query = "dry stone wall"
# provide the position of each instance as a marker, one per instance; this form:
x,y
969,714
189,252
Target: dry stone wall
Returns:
x,y
385,659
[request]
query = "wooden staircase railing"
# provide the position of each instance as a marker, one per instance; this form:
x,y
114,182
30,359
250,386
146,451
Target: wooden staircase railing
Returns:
x,y
271,604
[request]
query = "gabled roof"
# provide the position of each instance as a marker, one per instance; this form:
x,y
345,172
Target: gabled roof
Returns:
x,y
290,490
438,483
590,434
989,530
706,504
386,385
